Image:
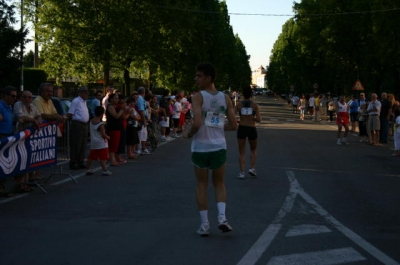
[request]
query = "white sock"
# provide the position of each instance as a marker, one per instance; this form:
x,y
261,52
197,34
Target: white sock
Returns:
x,y
221,211
204,217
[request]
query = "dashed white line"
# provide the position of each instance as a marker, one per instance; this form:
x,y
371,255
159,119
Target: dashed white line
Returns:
x,y
260,246
302,230
327,257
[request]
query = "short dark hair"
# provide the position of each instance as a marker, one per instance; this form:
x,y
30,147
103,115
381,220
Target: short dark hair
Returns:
x,y
208,69
99,111
6,90
42,86
247,91
165,92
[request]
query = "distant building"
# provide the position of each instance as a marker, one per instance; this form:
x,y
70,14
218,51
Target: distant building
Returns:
x,y
259,77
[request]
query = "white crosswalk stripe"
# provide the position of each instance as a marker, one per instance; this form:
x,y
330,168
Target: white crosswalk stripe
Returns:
x,y
327,257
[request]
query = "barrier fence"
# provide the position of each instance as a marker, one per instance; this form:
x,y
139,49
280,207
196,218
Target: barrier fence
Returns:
x,y
31,150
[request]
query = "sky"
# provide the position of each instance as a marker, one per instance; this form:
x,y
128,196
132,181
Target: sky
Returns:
x,y
259,32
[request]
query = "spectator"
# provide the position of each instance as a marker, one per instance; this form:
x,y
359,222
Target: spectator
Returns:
x,y
154,113
302,107
122,139
98,142
397,133
354,107
8,97
342,120
311,105
142,107
362,122
78,113
113,127
164,115
104,102
316,107
95,102
176,115
132,137
323,107
44,104
26,115
331,108
374,110
384,117
295,102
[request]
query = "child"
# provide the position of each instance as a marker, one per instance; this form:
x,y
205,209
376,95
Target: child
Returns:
x,y
98,143
396,132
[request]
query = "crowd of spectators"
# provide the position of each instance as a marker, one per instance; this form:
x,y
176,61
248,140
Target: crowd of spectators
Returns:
x,y
125,120
372,118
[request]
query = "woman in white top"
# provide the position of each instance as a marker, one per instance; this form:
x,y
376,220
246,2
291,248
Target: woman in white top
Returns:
x,y
342,120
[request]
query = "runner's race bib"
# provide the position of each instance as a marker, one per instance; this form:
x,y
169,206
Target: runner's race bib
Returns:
x,y
246,111
215,119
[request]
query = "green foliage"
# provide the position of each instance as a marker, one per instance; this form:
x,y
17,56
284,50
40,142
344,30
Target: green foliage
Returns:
x,y
333,43
159,41
10,41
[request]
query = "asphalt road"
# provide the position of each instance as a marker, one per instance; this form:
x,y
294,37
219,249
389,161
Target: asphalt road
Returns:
x,y
313,203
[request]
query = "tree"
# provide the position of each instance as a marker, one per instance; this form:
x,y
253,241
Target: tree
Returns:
x,y
10,41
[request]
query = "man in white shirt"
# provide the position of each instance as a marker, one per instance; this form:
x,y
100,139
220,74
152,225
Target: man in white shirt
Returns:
x,y
374,125
78,114
311,105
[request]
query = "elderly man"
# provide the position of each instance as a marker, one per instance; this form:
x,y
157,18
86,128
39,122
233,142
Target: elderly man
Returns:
x,y
44,104
374,110
78,113
386,111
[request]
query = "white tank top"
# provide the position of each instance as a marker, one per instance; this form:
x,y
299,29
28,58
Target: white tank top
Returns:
x,y
96,140
342,107
211,136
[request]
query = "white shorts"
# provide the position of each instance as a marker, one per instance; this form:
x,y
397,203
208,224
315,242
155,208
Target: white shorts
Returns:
x,y
165,122
143,134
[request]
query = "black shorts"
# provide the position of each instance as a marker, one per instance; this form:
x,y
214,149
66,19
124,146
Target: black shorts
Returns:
x,y
353,116
244,132
176,122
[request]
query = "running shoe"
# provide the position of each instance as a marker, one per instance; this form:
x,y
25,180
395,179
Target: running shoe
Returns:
x,y
106,173
145,152
344,141
174,136
204,230
224,226
89,172
241,175
163,139
339,142
252,172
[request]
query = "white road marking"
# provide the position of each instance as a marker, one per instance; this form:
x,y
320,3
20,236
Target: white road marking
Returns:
x,y
263,242
327,257
302,230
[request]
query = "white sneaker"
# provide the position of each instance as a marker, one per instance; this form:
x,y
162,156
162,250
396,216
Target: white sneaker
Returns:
x,y
345,141
145,152
89,172
174,136
241,175
106,173
252,172
204,230
163,139
168,138
138,152
339,142
224,226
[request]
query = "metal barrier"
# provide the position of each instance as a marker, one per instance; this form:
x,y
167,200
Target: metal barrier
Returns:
x,y
63,155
